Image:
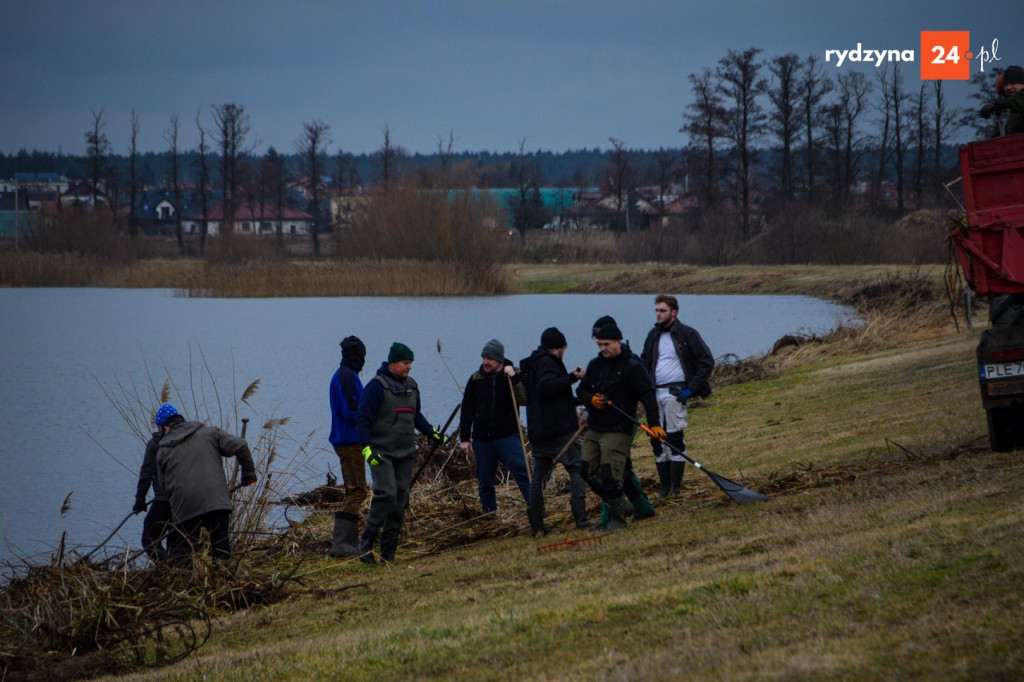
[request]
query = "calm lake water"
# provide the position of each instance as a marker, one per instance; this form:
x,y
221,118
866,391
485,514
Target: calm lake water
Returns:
x,y
61,348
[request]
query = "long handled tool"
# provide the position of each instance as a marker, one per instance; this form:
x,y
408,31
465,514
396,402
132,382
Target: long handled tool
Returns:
x,y
738,493
519,425
433,448
568,444
112,533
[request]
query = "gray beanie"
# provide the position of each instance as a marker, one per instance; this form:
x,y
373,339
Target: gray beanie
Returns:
x,y
494,350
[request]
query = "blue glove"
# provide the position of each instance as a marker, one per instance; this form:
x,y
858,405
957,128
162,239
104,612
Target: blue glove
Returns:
x,y
684,395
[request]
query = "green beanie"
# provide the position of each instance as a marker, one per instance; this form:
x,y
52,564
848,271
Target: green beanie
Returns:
x,y
399,352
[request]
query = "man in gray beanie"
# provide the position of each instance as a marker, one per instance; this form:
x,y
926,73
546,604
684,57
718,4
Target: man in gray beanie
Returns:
x,y
489,428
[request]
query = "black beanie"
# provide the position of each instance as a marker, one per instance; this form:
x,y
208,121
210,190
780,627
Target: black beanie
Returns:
x,y
552,338
1013,74
608,332
601,322
353,350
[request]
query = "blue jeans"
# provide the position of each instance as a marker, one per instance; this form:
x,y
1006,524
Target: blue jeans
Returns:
x,y
488,453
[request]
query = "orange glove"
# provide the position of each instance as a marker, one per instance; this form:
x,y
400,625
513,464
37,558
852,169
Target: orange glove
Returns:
x,y
599,401
655,432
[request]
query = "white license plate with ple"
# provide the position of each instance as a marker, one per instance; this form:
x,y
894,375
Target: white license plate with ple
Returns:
x,y
1002,370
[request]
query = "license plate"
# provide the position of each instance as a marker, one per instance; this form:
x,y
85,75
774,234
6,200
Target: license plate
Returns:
x,y
1002,370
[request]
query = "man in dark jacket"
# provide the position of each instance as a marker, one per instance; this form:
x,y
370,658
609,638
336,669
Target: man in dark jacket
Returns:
x,y
681,364
551,423
489,428
615,378
346,389
389,414
190,471
1011,100
156,526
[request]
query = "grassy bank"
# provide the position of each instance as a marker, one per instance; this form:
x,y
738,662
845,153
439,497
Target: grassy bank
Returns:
x,y
890,549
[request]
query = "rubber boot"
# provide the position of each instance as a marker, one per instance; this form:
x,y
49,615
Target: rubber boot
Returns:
x,y
676,478
388,545
664,477
620,510
643,507
536,517
578,505
345,534
606,515
366,542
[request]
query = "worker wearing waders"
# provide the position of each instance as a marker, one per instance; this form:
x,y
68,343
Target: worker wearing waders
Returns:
x,y
630,483
489,425
614,377
345,391
190,471
389,414
156,526
552,424
681,363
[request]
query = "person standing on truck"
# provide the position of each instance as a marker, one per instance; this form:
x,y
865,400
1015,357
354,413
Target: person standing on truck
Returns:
x,y
680,363
1012,101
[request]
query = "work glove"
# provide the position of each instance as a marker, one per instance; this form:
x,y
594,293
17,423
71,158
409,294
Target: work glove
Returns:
x,y
599,401
987,110
140,506
437,437
248,479
655,432
684,395
373,457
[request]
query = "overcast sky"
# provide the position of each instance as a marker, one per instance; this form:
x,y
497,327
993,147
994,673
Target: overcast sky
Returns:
x,y
561,75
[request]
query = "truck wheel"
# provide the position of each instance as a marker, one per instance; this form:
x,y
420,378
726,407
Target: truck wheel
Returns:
x,y
1005,427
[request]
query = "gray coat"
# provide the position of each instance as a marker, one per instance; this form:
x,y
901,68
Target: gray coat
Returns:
x,y
190,468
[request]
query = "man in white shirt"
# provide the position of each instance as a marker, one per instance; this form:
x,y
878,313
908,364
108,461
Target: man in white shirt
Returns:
x,y
680,363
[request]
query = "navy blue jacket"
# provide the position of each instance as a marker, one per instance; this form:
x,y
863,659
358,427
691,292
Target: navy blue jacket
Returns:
x,y
346,389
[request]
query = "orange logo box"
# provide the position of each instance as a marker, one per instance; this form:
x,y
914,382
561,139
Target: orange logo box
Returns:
x,y
945,55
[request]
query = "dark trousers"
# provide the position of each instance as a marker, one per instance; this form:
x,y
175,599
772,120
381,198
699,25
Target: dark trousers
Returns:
x,y
544,453
508,451
216,523
155,528
391,482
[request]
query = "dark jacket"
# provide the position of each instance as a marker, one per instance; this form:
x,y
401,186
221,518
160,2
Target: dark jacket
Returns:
x,y
147,473
373,399
551,405
693,353
625,382
190,468
346,388
487,409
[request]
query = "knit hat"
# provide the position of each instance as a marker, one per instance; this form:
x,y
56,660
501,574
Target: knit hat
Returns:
x,y
399,351
552,338
608,332
1013,74
163,413
494,350
602,321
352,348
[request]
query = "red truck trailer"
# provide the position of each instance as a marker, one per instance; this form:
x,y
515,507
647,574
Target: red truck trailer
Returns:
x,y
990,248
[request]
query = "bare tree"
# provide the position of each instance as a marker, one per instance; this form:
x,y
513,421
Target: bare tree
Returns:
x,y
919,106
275,178
945,123
704,124
620,176
97,149
742,85
444,155
171,136
665,173
853,91
231,127
783,120
985,90
901,140
312,146
203,170
133,176
884,143
386,158
814,85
